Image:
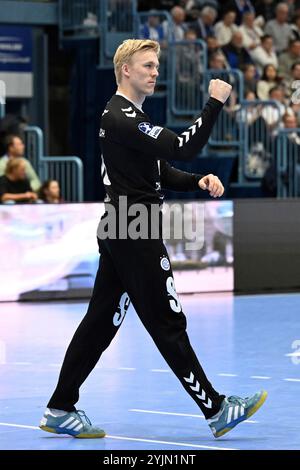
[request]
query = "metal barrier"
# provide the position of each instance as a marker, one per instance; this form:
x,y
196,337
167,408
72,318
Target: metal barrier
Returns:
x,y
287,163
259,121
117,23
185,93
79,19
68,171
164,24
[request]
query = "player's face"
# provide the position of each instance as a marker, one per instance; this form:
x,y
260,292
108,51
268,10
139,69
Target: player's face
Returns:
x,y
143,70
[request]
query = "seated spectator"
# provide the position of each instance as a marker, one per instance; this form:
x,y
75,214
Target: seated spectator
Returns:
x,y
212,46
279,28
14,186
288,58
295,28
289,84
273,115
264,54
269,80
240,7
250,82
251,32
204,25
236,55
179,26
152,29
49,192
217,61
10,124
226,27
265,9
14,148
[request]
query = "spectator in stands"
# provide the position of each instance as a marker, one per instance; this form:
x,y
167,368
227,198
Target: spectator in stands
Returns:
x,y
269,80
49,192
279,28
288,58
179,26
10,124
204,25
240,7
212,46
289,83
14,186
273,115
226,27
264,54
236,55
250,82
217,61
295,28
249,113
265,9
153,29
251,32
14,148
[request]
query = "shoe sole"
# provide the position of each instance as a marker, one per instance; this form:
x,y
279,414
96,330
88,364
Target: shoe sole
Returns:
x,y
244,418
78,436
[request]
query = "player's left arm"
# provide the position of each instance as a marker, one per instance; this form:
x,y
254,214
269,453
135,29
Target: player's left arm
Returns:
x,y
178,180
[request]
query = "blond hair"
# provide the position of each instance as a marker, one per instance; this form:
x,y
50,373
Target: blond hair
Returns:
x,y
126,50
12,164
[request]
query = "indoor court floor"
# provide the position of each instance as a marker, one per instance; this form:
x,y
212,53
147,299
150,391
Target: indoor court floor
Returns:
x,y
244,344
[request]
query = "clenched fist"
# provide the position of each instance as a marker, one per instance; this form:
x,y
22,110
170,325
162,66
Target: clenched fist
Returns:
x,y
219,90
212,184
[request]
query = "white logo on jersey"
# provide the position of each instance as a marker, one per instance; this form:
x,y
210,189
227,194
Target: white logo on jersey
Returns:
x,y
105,111
174,301
129,112
149,129
102,133
122,309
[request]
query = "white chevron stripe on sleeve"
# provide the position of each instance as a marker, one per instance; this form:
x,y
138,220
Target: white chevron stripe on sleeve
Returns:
x,y
133,114
208,404
193,128
202,396
180,141
126,109
189,379
196,388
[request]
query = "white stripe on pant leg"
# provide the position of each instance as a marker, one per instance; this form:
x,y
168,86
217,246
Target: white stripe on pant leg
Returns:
x,y
68,421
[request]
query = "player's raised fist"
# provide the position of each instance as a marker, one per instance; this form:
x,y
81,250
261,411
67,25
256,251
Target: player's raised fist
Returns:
x,y
219,89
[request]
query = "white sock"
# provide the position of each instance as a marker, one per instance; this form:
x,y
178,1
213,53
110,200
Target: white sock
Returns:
x,y
56,413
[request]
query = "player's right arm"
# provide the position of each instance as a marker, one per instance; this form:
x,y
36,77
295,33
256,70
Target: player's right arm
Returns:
x,y
161,143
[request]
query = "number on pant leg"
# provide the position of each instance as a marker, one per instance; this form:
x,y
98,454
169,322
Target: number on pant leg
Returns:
x,y
121,310
174,302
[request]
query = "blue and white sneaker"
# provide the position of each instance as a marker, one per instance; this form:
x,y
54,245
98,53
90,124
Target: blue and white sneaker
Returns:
x,y
75,423
233,411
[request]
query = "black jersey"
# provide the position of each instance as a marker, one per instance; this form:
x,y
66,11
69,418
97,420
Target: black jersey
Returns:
x,y
135,152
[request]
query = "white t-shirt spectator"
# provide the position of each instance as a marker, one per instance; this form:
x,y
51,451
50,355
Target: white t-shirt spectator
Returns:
x,y
224,33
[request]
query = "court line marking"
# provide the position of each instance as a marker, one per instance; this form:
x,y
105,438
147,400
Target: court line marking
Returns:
x,y
136,439
136,410
292,380
262,377
222,374
160,370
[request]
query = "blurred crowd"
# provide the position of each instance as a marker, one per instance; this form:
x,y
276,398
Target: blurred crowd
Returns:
x,y
19,182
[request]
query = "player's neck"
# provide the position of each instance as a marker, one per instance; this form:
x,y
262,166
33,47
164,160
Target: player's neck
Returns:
x,y
131,95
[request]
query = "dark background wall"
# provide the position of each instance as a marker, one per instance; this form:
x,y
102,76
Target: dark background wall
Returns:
x,y
267,245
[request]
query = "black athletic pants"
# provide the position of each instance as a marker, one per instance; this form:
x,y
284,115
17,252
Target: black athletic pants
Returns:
x,y
141,270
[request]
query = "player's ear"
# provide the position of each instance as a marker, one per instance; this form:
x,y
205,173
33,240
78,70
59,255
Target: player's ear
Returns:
x,y
125,70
